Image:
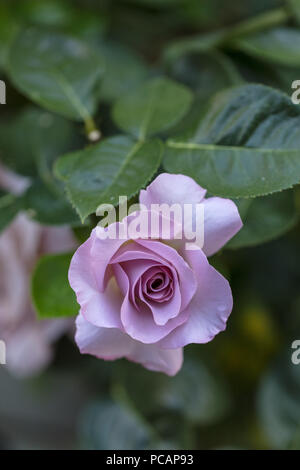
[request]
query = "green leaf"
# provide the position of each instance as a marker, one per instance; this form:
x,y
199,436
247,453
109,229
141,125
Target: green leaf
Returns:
x,y
284,77
197,394
29,144
159,3
278,402
99,174
265,218
146,391
225,35
205,74
32,139
279,46
246,145
48,205
154,107
51,293
63,16
82,232
295,8
85,25
46,13
294,443
8,29
10,205
105,425
124,71
196,44
58,72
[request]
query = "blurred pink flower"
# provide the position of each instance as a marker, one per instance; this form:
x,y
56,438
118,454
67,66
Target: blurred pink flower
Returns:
x,y
28,341
145,299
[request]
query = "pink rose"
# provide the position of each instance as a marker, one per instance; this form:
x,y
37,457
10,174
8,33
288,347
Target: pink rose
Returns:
x,y
145,299
28,341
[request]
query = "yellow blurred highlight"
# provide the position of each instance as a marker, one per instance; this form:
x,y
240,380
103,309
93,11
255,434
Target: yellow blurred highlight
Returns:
x,y
253,341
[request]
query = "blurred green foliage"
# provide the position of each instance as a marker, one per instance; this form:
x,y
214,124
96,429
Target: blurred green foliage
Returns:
x,y
241,390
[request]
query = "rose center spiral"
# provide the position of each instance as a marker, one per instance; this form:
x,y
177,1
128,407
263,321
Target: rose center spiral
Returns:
x,y
157,284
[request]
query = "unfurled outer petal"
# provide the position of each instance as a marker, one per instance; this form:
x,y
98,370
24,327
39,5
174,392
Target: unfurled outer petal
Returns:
x,y
221,217
111,343
104,343
100,308
221,222
172,189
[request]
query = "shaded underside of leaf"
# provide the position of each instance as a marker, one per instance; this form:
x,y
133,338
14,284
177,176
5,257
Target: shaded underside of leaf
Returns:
x,y
246,145
235,171
118,166
265,219
49,206
56,71
124,71
154,107
279,46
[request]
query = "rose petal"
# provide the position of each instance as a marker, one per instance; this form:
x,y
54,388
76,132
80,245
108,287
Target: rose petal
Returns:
x,y
101,252
150,356
111,343
172,189
208,312
164,311
221,222
107,241
13,281
11,182
187,281
221,217
104,343
100,308
135,251
27,351
139,324
136,259
159,275
57,239
128,275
